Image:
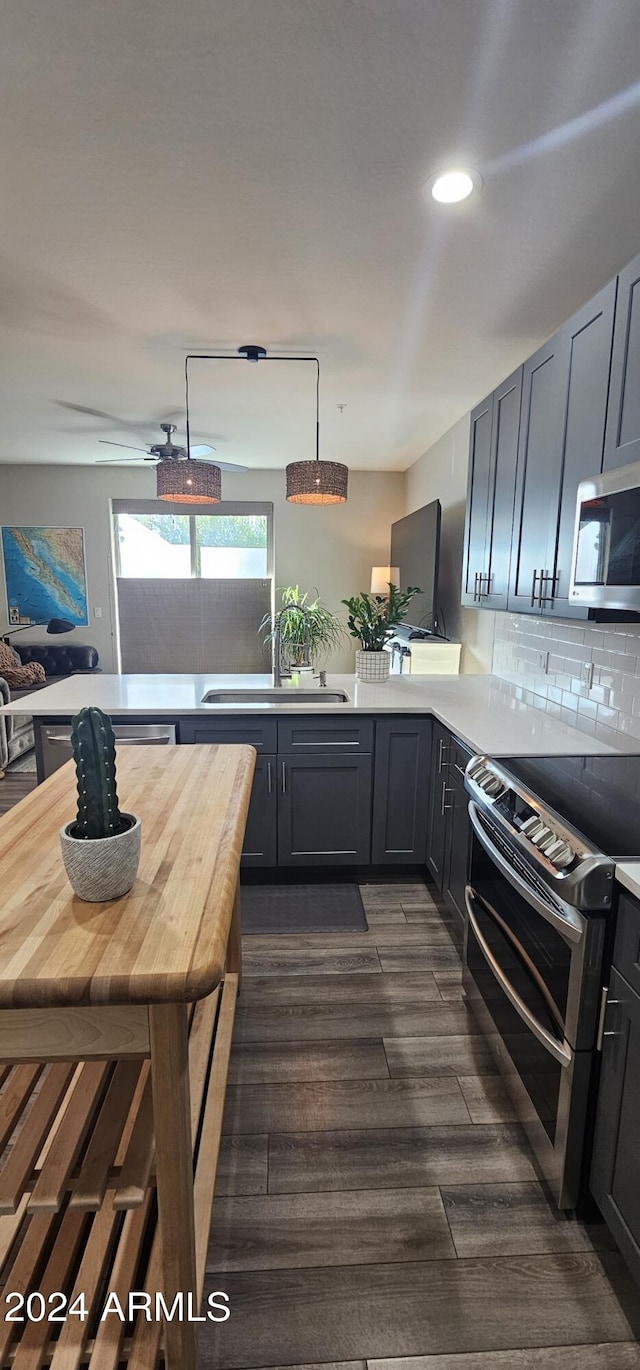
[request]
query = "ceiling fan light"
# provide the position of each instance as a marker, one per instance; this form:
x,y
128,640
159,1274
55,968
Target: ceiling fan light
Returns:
x,y
189,482
317,482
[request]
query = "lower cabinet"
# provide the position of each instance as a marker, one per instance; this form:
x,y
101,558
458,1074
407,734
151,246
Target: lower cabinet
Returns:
x,y
438,806
261,833
615,1168
449,830
401,791
324,810
459,849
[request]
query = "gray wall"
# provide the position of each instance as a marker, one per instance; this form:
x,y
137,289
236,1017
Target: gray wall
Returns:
x,y
332,548
441,473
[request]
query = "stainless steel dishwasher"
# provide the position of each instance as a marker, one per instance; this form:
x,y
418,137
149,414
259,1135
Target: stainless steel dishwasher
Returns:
x,y
55,740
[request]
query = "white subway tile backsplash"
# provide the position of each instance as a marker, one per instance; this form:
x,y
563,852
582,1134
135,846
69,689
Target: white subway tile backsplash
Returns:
x,y
611,706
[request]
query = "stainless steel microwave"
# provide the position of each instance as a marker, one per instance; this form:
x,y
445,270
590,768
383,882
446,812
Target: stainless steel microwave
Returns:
x,y
605,569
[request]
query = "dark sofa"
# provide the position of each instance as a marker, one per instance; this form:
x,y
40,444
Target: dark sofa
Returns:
x,y
59,659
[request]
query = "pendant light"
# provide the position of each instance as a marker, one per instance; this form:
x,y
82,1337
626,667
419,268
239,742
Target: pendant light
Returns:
x,y
186,481
317,482
307,482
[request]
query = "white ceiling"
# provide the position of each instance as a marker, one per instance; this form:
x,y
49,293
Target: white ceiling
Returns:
x,y
196,174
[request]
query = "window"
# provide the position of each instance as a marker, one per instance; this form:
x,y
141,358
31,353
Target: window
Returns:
x,y
192,589
229,545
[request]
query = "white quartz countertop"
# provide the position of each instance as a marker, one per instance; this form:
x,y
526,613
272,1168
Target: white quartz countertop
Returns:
x,y
628,874
474,707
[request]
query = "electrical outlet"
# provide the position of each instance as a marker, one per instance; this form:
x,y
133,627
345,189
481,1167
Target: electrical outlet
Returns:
x,y
97,613
586,674
543,662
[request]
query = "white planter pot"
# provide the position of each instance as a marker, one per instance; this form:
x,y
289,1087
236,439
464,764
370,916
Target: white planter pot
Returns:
x,y
102,868
373,667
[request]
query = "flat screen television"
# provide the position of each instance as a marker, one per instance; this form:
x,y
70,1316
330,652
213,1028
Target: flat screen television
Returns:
x,y
415,547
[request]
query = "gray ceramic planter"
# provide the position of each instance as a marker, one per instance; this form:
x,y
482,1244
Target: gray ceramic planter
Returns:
x,y
102,868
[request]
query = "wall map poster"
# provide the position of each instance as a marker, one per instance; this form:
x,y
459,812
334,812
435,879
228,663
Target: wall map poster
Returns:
x,y
45,574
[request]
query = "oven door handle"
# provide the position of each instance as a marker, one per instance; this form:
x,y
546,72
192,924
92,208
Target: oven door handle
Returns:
x,y
570,924
558,1050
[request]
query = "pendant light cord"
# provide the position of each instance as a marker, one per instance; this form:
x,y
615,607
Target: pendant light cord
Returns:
x,y
233,357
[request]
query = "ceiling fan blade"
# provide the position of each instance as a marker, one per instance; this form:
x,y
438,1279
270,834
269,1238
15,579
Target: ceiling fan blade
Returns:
x,y
202,450
230,466
93,413
107,443
122,461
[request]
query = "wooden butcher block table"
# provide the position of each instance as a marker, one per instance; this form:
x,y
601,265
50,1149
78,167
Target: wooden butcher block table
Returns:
x,y
115,1031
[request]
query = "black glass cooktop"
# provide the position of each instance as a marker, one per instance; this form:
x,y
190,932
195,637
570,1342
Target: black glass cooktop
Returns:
x,y
597,795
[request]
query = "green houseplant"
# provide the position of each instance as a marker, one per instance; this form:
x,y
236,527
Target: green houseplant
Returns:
x,y
305,612
101,847
371,620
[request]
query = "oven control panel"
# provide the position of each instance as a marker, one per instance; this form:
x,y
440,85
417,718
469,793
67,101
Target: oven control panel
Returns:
x,y
530,832
521,815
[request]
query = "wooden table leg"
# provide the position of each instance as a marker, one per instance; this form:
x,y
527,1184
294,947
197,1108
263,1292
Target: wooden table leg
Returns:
x,y
234,945
168,1031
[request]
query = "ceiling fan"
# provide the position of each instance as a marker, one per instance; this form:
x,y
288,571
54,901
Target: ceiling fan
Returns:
x,y
165,451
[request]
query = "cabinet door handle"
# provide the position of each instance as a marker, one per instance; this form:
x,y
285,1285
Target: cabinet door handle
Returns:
x,y
284,777
444,806
533,589
459,769
441,756
605,1002
269,779
545,598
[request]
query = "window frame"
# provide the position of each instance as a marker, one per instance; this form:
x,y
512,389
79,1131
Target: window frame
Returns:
x,y
242,508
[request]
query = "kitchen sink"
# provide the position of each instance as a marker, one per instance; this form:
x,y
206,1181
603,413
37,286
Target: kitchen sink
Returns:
x,y
275,695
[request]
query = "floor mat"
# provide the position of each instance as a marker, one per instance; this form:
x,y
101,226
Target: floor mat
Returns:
x,y
302,908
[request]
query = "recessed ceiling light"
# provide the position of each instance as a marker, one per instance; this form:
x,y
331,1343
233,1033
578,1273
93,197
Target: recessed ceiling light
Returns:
x,y
449,187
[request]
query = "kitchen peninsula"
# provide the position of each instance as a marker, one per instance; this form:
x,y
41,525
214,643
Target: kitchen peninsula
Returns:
x,y
479,709
351,775
115,1030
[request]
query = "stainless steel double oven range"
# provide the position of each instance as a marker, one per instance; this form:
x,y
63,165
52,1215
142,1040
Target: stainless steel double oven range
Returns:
x,y
540,901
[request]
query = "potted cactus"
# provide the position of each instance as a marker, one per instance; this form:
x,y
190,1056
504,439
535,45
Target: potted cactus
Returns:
x,y
101,847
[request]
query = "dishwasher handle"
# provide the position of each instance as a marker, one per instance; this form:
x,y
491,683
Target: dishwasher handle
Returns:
x,y
158,740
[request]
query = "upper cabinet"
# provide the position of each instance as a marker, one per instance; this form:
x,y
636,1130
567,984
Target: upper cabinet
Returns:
x,y
622,444
586,349
492,473
532,442
538,478
562,427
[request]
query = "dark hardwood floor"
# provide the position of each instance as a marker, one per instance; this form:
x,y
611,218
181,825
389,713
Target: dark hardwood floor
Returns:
x,y
376,1204
377,1207
14,787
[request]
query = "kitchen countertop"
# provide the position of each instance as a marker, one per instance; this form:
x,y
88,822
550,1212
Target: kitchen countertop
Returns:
x,y
477,708
628,874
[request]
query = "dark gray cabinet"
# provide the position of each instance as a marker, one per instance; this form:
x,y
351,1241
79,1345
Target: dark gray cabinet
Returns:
x,y
586,357
438,803
449,831
401,791
260,847
332,733
324,810
622,443
615,1169
493,455
564,408
260,733
478,495
537,480
458,848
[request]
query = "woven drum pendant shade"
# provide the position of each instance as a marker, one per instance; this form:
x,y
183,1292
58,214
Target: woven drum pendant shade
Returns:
x,y
317,482
189,482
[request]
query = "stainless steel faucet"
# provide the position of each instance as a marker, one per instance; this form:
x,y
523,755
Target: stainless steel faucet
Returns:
x,y
281,672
